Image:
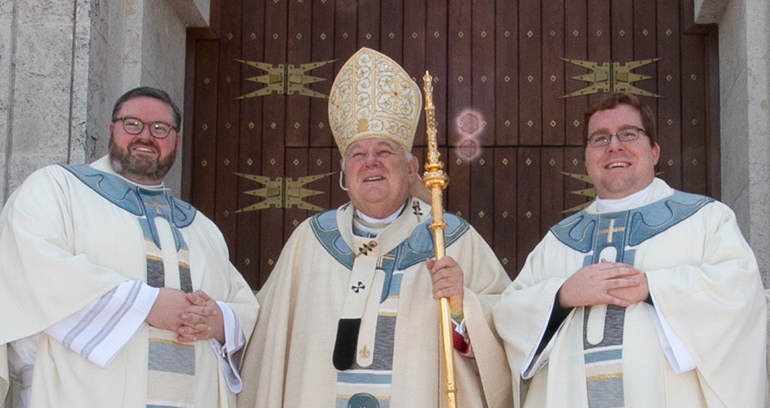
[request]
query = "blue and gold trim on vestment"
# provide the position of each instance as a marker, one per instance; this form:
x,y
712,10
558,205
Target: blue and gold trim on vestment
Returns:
x,y
417,248
370,386
136,200
613,237
578,230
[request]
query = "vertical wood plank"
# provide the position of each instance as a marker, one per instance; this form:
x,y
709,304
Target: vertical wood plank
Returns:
x,y
324,34
507,69
483,67
553,185
458,193
320,162
693,114
621,30
575,47
599,34
297,165
346,32
369,24
338,195
414,43
225,189
668,78
645,47
553,72
506,233
482,196
273,133
574,158
713,133
459,73
245,253
530,74
298,52
392,30
528,202
436,61
205,126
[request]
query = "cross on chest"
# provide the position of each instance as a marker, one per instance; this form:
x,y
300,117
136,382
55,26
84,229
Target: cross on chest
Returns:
x,y
156,205
416,208
367,247
610,230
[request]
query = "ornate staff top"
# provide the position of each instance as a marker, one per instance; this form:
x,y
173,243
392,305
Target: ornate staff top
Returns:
x,y
434,175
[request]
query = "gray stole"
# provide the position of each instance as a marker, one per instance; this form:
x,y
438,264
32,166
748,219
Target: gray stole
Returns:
x,y
368,385
614,237
171,365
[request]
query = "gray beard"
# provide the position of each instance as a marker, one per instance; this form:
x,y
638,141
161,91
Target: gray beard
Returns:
x,y
141,171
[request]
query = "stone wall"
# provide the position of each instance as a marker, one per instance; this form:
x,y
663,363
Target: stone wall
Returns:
x,y
64,62
744,70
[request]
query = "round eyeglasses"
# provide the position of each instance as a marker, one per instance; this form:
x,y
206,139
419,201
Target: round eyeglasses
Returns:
x,y
134,126
624,135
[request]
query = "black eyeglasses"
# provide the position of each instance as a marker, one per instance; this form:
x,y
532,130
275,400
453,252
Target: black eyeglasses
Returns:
x,y
624,135
134,126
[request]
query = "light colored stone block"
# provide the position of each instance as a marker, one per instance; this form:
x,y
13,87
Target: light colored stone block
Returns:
x,y
192,13
6,90
709,11
42,84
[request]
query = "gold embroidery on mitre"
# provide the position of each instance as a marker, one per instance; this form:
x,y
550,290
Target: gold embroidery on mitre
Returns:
x,y
372,96
363,125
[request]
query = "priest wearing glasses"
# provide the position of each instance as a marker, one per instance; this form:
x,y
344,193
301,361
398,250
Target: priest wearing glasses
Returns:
x,y
650,297
114,293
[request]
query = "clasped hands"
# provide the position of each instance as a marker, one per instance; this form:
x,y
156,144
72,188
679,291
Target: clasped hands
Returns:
x,y
193,316
605,283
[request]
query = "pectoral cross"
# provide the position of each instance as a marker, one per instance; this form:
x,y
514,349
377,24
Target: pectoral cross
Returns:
x,y
416,208
156,205
367,247
611,230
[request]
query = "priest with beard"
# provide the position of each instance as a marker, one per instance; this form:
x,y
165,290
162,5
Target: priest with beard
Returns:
x,y
114,293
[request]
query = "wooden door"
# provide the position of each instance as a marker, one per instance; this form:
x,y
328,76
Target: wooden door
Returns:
x,y
505,130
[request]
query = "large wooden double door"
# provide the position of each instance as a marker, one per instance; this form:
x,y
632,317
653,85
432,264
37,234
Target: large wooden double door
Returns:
x,y
506,132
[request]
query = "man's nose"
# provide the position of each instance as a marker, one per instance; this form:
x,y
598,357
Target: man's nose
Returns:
x,y
615,143
145,133
370,159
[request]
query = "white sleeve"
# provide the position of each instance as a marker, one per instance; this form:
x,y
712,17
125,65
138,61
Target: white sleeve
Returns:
x,y
99,331
234,341
534,361
680,359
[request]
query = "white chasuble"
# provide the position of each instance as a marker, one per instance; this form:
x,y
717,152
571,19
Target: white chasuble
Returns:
x,y
316,345
707,306
70,236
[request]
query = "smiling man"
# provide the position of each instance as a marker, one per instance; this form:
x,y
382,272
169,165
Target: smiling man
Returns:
x,y
350,314
650,297
113,293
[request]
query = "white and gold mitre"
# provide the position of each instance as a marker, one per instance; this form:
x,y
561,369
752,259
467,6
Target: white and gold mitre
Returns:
x,y
373,96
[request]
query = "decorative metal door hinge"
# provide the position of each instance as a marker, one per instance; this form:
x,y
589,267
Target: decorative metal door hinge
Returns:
x,y
282,192
284,79
610,77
